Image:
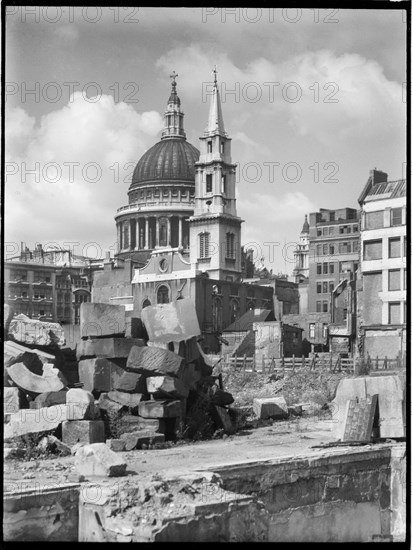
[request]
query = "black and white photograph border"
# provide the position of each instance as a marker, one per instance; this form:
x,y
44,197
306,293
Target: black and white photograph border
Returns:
x,y
206,224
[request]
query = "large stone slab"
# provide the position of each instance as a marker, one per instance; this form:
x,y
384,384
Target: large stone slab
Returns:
x,y
270,407
25,379
98,460
28,421
83,431
136,440
29,331
131,423
11,398
166,386
80,405
160,409
16,350
155,361
110,348
128,400
100,374
98,319
49,398
171,322
131,382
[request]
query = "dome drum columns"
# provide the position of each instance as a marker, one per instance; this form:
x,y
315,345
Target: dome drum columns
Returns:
x,y
149,232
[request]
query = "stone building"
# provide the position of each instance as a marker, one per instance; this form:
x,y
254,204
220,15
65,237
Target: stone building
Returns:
x,y
301,269
382,290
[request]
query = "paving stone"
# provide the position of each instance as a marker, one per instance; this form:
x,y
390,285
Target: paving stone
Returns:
x,y
30,331
11,398
98,460
99,374
116,445
135,440
159,409
48,399
155,361
97,319
80,405
172,322
110,348
34,383
166,386
131,382
273,407
83,431
33,421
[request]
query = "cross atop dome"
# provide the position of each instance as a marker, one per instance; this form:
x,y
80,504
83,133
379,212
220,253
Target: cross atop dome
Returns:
x,y
173,76
215,74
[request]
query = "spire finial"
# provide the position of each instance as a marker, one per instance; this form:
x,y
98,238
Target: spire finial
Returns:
x,y
215,74
173,77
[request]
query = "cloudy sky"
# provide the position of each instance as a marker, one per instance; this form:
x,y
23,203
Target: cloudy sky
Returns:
x,y
312,99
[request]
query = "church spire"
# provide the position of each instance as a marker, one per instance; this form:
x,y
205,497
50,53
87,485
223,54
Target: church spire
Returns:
x,y
215,122
173,116
305,228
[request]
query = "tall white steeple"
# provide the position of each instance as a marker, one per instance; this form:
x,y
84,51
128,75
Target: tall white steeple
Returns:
x,y
215,227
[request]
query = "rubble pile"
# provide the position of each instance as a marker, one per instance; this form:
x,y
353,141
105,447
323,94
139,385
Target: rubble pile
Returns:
x,y
132,392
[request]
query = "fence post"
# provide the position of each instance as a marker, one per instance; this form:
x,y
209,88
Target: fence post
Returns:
x,y
303,361
244,362
293,362
263,364
377,363
254,362
385,362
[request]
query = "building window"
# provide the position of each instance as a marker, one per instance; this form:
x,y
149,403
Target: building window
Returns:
x,y
325,330
146,303
222,147
224,184
396,216
355,228
331,249
395,247
163,295
319,288
405,246
405,279
394,279
319,269
325,249
319,232
355,246
331,230
374,220
331,268
209,146
217,314
331,286
209,183
204,239
394,313
312,330
331,216
372,250
319,250
325,231
318,307
325,287
325,307
234,310
230,245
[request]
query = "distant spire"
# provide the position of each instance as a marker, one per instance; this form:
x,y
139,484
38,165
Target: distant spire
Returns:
x,y
215,123
173,117
305,228
174,98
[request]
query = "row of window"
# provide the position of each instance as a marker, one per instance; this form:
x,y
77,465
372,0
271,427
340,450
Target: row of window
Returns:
x,y
205,248
322,307
210,147
324,287
148,194
375,220
209,183
329,268
372,250
337,248
340,230
373,281
312,330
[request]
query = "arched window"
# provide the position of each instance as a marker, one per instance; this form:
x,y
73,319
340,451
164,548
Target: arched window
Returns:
x,y
234,310
163,232
163,295
217,314
146,303
204,241
251,304
230,245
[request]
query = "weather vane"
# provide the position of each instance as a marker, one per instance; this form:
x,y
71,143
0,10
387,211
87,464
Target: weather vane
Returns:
x,y
173,77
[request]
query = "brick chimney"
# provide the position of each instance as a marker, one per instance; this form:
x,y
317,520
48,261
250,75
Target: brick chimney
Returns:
x,y
377,176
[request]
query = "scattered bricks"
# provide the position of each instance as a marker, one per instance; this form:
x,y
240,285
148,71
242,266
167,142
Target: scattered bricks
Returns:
x,y
116,445
48,399
11,400
33,383
135,440
131,382
28,421
191,375
102,320
110,348
155,361
80,405
160,386
295,410
99,374
222,419
159,409
83,431
129,400
29,331
273,407
171,322
98,460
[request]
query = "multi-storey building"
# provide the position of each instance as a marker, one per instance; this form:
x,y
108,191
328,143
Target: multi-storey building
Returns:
x,y
333,253
48,285
382,293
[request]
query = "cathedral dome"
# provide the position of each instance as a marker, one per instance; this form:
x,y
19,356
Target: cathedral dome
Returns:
x,y
170,160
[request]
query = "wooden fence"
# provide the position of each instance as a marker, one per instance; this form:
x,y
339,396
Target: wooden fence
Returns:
x,y
333,364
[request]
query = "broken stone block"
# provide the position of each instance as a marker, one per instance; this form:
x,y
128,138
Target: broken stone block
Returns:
x,y
35,420
128,400
132,422
11,400
98,460
99,374
135,328
222,398
17,353
50,444
222,419
83,431
80,405
171,322
155,361
109,406
116,445
295,410
110,348
159,409
135,440
131,382
102,320
29,331
34,383
48,399
270,407
166,386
